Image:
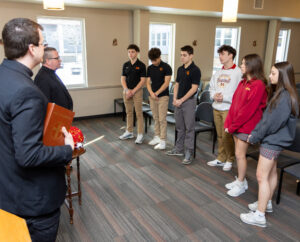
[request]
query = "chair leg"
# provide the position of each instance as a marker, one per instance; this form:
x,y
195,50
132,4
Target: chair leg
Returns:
x,y
214,141
123,111
115,107
279,186
146,121
134,118
298,187
195,144
175,136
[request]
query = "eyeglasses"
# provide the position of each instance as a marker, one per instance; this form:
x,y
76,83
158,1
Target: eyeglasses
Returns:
x,y
55,58
44,43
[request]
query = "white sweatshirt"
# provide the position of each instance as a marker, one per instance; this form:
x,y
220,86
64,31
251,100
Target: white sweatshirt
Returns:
x,y
225,81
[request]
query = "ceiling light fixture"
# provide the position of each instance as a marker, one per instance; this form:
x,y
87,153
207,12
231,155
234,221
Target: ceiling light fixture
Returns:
x,y
230,8
54,4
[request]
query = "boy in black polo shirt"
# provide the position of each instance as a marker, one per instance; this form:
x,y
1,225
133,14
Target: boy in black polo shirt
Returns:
x,y
158,79
187,83
133,80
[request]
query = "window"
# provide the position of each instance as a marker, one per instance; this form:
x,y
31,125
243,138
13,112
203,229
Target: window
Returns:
x,y
225,36
67,36
283,45
161,36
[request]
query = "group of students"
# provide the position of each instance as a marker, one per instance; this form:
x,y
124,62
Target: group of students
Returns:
x,y
158,78
247,110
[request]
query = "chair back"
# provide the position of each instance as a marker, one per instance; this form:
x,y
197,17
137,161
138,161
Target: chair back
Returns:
x,y
205,97
298,85
206,87
171,107
204,112
295,147
145,95
171,87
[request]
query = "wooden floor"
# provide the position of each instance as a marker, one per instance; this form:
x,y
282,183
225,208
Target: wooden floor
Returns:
x,y
135,193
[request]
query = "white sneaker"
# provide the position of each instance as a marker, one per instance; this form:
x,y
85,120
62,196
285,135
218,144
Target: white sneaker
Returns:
x,y
227,166
161,145
215,162
139,139
253,206
237,190
232,184
126,135
154,141
254,219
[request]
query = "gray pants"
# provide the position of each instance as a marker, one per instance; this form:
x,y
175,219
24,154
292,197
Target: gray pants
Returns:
x,y
185,125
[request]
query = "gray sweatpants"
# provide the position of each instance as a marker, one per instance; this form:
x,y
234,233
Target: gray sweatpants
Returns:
x,y
185,125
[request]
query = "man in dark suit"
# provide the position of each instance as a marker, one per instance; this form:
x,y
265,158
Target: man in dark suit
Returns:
x,y
49,83
32,176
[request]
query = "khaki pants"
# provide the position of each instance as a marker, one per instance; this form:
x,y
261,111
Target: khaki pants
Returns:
x,y
136,101
159,110
225,140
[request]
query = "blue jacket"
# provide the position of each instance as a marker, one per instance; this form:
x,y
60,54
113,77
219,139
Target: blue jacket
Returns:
x,y
32,176
277,128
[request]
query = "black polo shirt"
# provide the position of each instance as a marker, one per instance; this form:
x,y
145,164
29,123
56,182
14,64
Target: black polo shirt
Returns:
x,y
133,73
186,77
157,75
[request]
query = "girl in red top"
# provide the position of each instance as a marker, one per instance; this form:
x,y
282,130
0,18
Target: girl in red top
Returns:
x,y
248,104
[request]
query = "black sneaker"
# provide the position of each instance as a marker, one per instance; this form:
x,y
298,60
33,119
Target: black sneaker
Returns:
x,y
174,152
188,159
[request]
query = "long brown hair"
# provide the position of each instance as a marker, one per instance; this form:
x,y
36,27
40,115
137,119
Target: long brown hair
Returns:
x,y
286,81
254,68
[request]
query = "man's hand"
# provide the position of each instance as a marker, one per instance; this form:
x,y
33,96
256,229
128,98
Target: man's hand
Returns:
x,y
179,102
129,94
153,96
68,138
218,97
226,130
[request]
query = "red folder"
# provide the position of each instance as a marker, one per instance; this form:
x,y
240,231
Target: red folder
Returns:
x,y
56,118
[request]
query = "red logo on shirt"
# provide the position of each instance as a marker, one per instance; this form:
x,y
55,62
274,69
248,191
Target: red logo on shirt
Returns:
x,y
161,69
137,68
188,73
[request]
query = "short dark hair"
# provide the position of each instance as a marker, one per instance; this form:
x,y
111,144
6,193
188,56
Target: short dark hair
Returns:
x,y
47,53
229,49
17,35
189,49
133,47
154,54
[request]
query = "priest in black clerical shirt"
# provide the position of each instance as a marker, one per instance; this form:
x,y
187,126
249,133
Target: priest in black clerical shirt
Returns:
x,y
49,83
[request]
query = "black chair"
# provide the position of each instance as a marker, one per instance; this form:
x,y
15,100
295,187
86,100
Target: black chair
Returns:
x,y
206,87
120,102
171,87
294,170
298,85
204,97
292,164
204,123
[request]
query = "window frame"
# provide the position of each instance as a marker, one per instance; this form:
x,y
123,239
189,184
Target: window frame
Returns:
x,y
286,49
238,42
84,84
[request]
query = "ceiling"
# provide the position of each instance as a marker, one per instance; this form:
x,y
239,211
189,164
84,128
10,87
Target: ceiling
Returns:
x,y
153,9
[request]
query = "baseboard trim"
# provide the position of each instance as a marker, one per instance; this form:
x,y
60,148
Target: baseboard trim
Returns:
x,y
98,116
